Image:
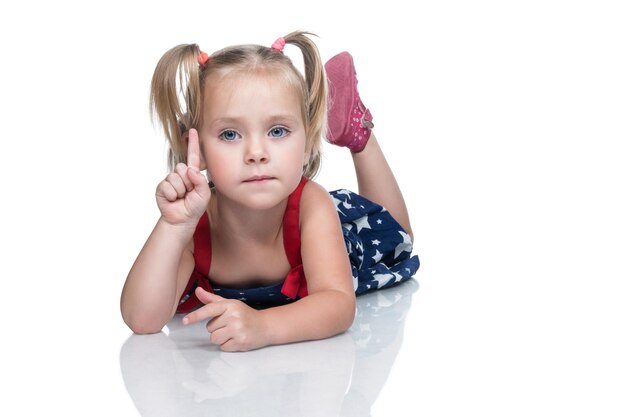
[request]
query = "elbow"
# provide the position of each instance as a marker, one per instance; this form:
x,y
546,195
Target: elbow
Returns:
x,y
142,325
144,329
348,322
348,314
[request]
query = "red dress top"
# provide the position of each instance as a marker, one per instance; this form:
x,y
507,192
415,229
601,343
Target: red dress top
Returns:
x,y
294,285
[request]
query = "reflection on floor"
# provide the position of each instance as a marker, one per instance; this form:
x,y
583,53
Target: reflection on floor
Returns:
x,y
180,373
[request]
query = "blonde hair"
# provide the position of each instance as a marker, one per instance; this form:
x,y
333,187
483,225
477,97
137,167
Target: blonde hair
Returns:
x,y
177,89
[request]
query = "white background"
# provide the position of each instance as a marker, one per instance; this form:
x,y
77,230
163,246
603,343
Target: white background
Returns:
x,y
504,120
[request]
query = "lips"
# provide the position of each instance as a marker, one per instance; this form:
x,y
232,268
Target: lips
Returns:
x,y
259,178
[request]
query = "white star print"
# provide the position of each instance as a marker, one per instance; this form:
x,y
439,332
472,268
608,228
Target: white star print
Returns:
x,y
347,205
405,246
377,257
379,221
362,223
345,192
376,242
337,202
383,279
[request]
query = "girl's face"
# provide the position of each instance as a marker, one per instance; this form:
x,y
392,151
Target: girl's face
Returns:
x,y
253,138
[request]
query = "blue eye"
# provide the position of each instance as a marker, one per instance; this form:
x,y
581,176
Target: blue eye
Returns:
x,y
229,135
278,132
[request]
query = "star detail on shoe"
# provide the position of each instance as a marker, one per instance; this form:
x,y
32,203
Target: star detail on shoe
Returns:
x,y
362,223
405,246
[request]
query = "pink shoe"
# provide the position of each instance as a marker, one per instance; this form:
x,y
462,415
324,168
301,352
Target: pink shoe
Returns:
x,y
349,121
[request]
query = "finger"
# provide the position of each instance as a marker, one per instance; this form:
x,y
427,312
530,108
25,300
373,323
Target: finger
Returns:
x,y
165,189
181,170
203,313
200,184
221,336
177,183
193,150
231,345
216,323
207,297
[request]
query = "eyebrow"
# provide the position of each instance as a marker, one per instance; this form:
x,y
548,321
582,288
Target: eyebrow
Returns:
x,y
275,118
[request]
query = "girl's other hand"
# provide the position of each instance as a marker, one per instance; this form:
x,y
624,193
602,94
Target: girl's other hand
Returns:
x,y
233,325
183,196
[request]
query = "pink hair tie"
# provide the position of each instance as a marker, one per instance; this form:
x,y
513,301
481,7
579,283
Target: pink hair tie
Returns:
x,y
279,44
203,58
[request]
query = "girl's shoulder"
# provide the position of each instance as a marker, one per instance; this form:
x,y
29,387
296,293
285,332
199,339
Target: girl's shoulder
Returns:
x,y
312,193
316,202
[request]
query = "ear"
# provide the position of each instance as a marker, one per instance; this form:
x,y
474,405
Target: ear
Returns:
x,y
185,138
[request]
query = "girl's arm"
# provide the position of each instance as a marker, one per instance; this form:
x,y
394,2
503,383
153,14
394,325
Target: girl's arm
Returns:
x,y
330,306
328,309
159,275
157,279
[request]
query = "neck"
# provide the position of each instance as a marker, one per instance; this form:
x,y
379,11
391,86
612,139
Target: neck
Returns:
x,y
234,220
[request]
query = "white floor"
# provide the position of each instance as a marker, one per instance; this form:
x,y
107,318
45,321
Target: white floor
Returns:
x,y
343,375
505,123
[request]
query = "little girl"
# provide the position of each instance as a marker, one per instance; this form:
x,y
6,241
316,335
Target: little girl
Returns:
x,y
260,232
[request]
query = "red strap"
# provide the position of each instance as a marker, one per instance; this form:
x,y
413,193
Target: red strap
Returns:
x,y
295,283
202,259
202,245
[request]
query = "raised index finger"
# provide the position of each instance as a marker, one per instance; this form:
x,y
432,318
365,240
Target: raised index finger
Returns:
x,y
193,150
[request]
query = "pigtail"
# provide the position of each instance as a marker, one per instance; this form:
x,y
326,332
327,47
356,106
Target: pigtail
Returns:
x,y
316,98
175,97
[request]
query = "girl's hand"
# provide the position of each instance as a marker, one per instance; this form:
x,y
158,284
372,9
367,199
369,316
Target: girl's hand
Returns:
x,y
183,196
234,326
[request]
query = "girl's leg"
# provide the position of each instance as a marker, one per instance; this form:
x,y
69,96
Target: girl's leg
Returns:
x,y
350,125
378,184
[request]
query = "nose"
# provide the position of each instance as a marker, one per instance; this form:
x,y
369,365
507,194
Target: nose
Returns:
x,y
256,151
